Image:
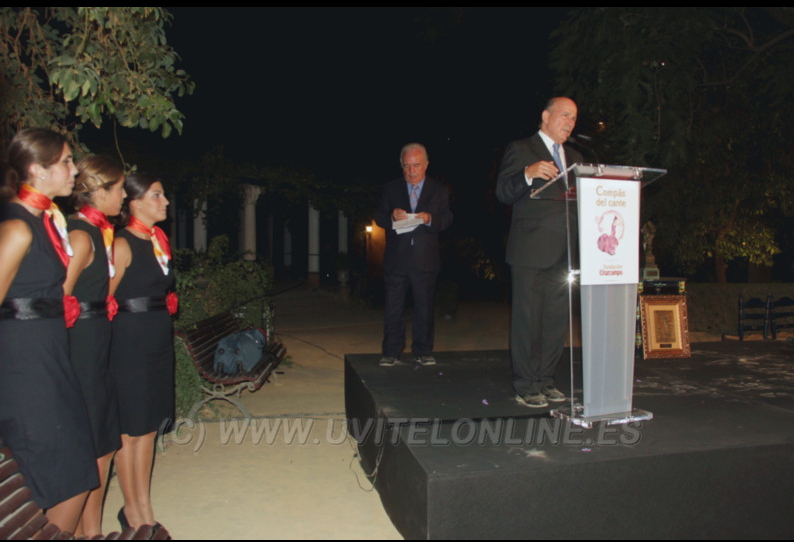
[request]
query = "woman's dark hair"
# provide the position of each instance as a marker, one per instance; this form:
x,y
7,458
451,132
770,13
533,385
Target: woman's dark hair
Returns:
x,y
95,172
136,185
30,146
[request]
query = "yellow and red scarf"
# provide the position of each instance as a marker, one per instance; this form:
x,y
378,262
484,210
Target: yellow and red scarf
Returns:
x,y
54,221
98,219
55,225
162,251
162,248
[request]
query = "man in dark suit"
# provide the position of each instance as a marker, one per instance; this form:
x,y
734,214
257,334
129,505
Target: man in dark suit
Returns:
x,y
537,251
412,257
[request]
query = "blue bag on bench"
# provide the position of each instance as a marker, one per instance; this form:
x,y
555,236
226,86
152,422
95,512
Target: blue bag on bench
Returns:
x,y
239,352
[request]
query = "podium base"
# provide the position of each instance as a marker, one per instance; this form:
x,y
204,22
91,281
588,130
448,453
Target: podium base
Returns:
x,y
574,414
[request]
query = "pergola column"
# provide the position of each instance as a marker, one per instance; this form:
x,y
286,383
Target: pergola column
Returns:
x,y
200,227
314,247
248,240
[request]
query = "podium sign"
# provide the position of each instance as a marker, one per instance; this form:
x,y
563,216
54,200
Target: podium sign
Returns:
x,y
609,231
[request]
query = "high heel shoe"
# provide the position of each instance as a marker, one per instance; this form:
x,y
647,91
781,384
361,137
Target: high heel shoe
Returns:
x,y
123,519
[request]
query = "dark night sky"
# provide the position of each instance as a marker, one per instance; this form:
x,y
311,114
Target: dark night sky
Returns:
x,y
340,90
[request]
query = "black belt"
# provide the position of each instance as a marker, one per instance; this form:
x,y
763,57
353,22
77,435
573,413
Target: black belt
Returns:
x,y
93,309
143,304
25,308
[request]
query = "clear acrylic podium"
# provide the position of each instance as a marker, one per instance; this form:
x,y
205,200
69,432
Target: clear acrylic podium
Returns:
x,y
602,205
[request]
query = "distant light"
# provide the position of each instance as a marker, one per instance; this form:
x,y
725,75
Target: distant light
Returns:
x,y
369,229
571,277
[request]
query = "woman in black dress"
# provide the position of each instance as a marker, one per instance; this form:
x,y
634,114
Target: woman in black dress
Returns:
x,y
142,347
43,418
98,193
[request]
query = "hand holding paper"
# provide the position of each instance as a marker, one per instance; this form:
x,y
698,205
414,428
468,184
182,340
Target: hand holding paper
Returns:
x,y
408,224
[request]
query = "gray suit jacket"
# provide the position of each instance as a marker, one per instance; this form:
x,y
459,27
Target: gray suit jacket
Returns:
x,y
538,226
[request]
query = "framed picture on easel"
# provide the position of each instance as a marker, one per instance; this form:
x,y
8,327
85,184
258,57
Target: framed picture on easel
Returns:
x,y
665,327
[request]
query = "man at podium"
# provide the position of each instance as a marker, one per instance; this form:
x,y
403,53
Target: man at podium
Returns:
x,y
537,252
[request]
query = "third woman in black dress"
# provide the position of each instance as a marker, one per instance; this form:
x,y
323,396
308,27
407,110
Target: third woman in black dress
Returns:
x,y
142,350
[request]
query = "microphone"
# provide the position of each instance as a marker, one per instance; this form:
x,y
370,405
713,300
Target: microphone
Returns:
x,y
584,142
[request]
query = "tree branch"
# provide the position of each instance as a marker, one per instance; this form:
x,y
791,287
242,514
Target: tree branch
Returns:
x,y
757,52
86,35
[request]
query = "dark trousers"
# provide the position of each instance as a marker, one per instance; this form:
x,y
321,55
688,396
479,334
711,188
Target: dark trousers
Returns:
x,y
539,325
423,288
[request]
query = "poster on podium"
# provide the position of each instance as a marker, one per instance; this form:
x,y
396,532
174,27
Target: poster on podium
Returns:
x,y
609,226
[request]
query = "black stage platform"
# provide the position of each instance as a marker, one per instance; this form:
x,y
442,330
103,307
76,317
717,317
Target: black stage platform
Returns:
x,y
454,456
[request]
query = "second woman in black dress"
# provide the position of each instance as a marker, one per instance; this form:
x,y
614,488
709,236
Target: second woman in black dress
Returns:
x,y
98,193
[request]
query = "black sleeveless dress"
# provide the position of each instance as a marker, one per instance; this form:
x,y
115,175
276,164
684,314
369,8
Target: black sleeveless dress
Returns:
x,y
142,345
43,417
90,346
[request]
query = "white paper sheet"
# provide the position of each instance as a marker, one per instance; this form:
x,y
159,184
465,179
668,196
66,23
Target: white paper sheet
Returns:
x,y
407,224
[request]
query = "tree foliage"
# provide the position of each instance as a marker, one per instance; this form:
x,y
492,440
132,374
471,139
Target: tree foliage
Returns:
x,y
63,67
702,92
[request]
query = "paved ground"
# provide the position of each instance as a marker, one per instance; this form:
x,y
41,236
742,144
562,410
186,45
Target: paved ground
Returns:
x,y
290,472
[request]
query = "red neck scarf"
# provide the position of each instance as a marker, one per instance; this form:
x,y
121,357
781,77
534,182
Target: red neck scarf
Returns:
x,y
54,221
162,248
98,219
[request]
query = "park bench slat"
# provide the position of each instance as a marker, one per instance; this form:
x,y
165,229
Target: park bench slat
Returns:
x,y
22,519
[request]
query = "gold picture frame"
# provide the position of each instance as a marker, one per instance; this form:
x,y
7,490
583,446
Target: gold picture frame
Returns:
x,y
665,327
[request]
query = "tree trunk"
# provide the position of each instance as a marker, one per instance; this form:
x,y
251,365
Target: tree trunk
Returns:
x,y
721,268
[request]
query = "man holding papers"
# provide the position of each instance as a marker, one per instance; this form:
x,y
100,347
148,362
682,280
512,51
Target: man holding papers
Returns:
x,y
413,210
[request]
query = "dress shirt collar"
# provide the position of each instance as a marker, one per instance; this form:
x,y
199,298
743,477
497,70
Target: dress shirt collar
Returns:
x,y
418,186
549,142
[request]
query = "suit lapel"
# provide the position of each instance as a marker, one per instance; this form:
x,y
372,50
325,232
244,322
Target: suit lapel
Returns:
x,y
403,200
570,159
540,149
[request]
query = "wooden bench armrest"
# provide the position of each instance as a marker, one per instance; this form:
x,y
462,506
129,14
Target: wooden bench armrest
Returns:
x,y
22,519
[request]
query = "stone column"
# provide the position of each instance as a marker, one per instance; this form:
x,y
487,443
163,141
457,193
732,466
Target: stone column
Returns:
x,y
249,221
314,247
287,248
342,233
200,227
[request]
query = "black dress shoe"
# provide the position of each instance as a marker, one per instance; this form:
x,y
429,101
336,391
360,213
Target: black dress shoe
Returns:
x,y
123,519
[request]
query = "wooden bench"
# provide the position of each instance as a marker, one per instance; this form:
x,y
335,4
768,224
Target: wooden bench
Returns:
x,y
782,315
22,519
752,312
201,342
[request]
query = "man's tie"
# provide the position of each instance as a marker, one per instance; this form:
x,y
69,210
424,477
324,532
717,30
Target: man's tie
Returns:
x,y
557,159
414,198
